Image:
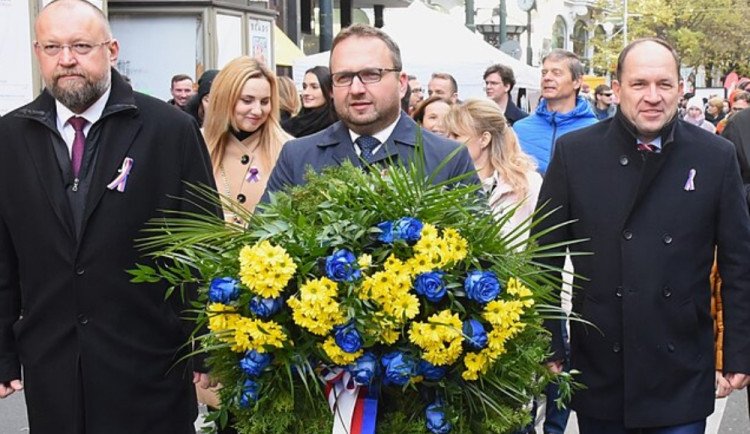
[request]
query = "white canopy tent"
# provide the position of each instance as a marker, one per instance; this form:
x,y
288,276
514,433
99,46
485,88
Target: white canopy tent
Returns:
x,y
431,41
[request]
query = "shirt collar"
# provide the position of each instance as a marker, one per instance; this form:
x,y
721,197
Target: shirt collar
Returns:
x,y
381,135
91,114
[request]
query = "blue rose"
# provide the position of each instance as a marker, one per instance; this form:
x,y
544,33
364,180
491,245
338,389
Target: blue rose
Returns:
x,y
265,307
436,420
398,368
430,372
364,369
430,285
254,362
386,232
482,286
223,290
475,334
342,267
347,338
408,229
249,393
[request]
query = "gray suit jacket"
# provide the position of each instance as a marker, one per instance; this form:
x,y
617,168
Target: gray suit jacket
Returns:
x,y
333,146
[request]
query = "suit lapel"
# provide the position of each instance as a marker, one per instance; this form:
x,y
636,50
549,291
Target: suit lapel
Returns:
x,y
340,143
39,142
117,136
403,134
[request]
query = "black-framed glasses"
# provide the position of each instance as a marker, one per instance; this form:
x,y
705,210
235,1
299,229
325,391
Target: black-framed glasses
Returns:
x,y
81,48
366,76
606,94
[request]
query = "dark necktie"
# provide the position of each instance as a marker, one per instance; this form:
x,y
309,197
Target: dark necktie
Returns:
x,y
366,145
76,155
648,147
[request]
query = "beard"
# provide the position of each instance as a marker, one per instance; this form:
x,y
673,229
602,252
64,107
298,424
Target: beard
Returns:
x,y
78,96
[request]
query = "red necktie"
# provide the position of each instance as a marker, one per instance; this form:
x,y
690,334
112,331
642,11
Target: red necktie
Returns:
x,y
76,155
647,147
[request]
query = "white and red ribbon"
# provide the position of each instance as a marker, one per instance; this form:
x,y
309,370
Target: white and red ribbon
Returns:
x,y
690,183
121,179
353,412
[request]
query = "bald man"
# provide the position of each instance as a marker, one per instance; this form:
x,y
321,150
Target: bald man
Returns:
x,y
92,162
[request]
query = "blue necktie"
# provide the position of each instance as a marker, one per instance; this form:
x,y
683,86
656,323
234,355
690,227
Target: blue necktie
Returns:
x,y
366,145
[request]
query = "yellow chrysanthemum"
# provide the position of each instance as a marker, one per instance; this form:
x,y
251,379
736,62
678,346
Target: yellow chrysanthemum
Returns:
x,y
221,317
318,290
337,355
440,337
265,269
429,231
252,334
405,306
316,310
499,312
364,261
517,288
388,336
475,363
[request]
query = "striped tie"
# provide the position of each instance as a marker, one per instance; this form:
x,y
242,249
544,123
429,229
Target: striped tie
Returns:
x,y
648,147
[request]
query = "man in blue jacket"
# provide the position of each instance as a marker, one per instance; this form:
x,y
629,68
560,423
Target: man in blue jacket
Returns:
x,y
560,111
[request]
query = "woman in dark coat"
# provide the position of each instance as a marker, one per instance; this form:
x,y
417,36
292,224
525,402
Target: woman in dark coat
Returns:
x,y
317,104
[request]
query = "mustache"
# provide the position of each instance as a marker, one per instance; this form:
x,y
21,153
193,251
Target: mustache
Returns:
x,y
68,72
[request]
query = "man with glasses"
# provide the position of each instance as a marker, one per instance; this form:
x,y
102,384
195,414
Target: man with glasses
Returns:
x,y
368,84
603,106
86,165
498,82
417,94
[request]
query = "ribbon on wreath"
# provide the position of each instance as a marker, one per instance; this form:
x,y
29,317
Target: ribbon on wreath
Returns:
x,y
354,407
122,179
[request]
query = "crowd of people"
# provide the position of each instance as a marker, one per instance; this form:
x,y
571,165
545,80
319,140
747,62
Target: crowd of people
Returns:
x,y
646,185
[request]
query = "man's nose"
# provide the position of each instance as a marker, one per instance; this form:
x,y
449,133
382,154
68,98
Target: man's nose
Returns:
x,y
357,86
66,56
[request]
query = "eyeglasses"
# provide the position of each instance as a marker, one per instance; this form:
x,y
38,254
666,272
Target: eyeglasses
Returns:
x,y
606,94
415,90
366,76
81,48
738,109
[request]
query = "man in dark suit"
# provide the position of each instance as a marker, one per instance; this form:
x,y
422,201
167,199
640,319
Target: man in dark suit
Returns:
x,y
368,84
85,166
652,197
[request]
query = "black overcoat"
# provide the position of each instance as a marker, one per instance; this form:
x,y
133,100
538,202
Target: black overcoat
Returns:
x,y
95,348
651,360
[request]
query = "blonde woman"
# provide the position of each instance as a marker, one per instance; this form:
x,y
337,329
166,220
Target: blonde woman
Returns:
x,y
242,130
507,173
289,102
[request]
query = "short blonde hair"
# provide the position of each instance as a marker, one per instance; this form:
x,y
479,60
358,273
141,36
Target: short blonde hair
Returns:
x,y
225,92
476,116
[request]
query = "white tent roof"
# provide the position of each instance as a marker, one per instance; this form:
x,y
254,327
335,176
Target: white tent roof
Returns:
x,y
431,41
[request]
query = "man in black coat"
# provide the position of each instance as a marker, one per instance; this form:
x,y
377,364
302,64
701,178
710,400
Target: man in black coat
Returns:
x,y
84,167
738,132
653,198
368,85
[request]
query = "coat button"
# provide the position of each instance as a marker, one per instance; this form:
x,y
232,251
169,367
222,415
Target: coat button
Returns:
x,y
82,319
616,347
618,291
667,239
666,292
80,271
627,235
670,347
624,160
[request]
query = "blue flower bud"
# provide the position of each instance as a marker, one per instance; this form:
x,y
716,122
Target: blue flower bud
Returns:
x,y
430,285
249,393
347,338
223,290
431,372
364,369
436,420
398,368
476,336
408,229
254,362
482,286
342,266
265,307
386,234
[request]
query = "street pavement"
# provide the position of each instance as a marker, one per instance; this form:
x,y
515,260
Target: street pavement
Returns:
x,y
730,417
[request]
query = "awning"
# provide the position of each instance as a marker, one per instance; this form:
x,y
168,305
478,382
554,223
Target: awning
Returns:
x,y
286,50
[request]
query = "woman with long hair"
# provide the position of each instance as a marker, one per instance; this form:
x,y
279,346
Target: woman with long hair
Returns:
x,y
430,113
508,174
289,103
242,130
317,104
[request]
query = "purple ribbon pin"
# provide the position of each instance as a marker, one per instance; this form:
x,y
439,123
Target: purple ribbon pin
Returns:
x,y
690,183
253,174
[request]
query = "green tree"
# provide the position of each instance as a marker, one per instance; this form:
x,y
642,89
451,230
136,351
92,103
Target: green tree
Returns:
x,y
711,33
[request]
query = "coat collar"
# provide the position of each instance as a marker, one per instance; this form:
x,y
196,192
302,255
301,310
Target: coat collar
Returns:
x,y
402,141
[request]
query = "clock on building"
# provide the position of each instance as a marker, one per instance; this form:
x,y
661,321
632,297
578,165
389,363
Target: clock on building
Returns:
x,y
526,5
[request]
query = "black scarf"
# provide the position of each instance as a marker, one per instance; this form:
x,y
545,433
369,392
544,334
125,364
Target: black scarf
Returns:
x,y
310,121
